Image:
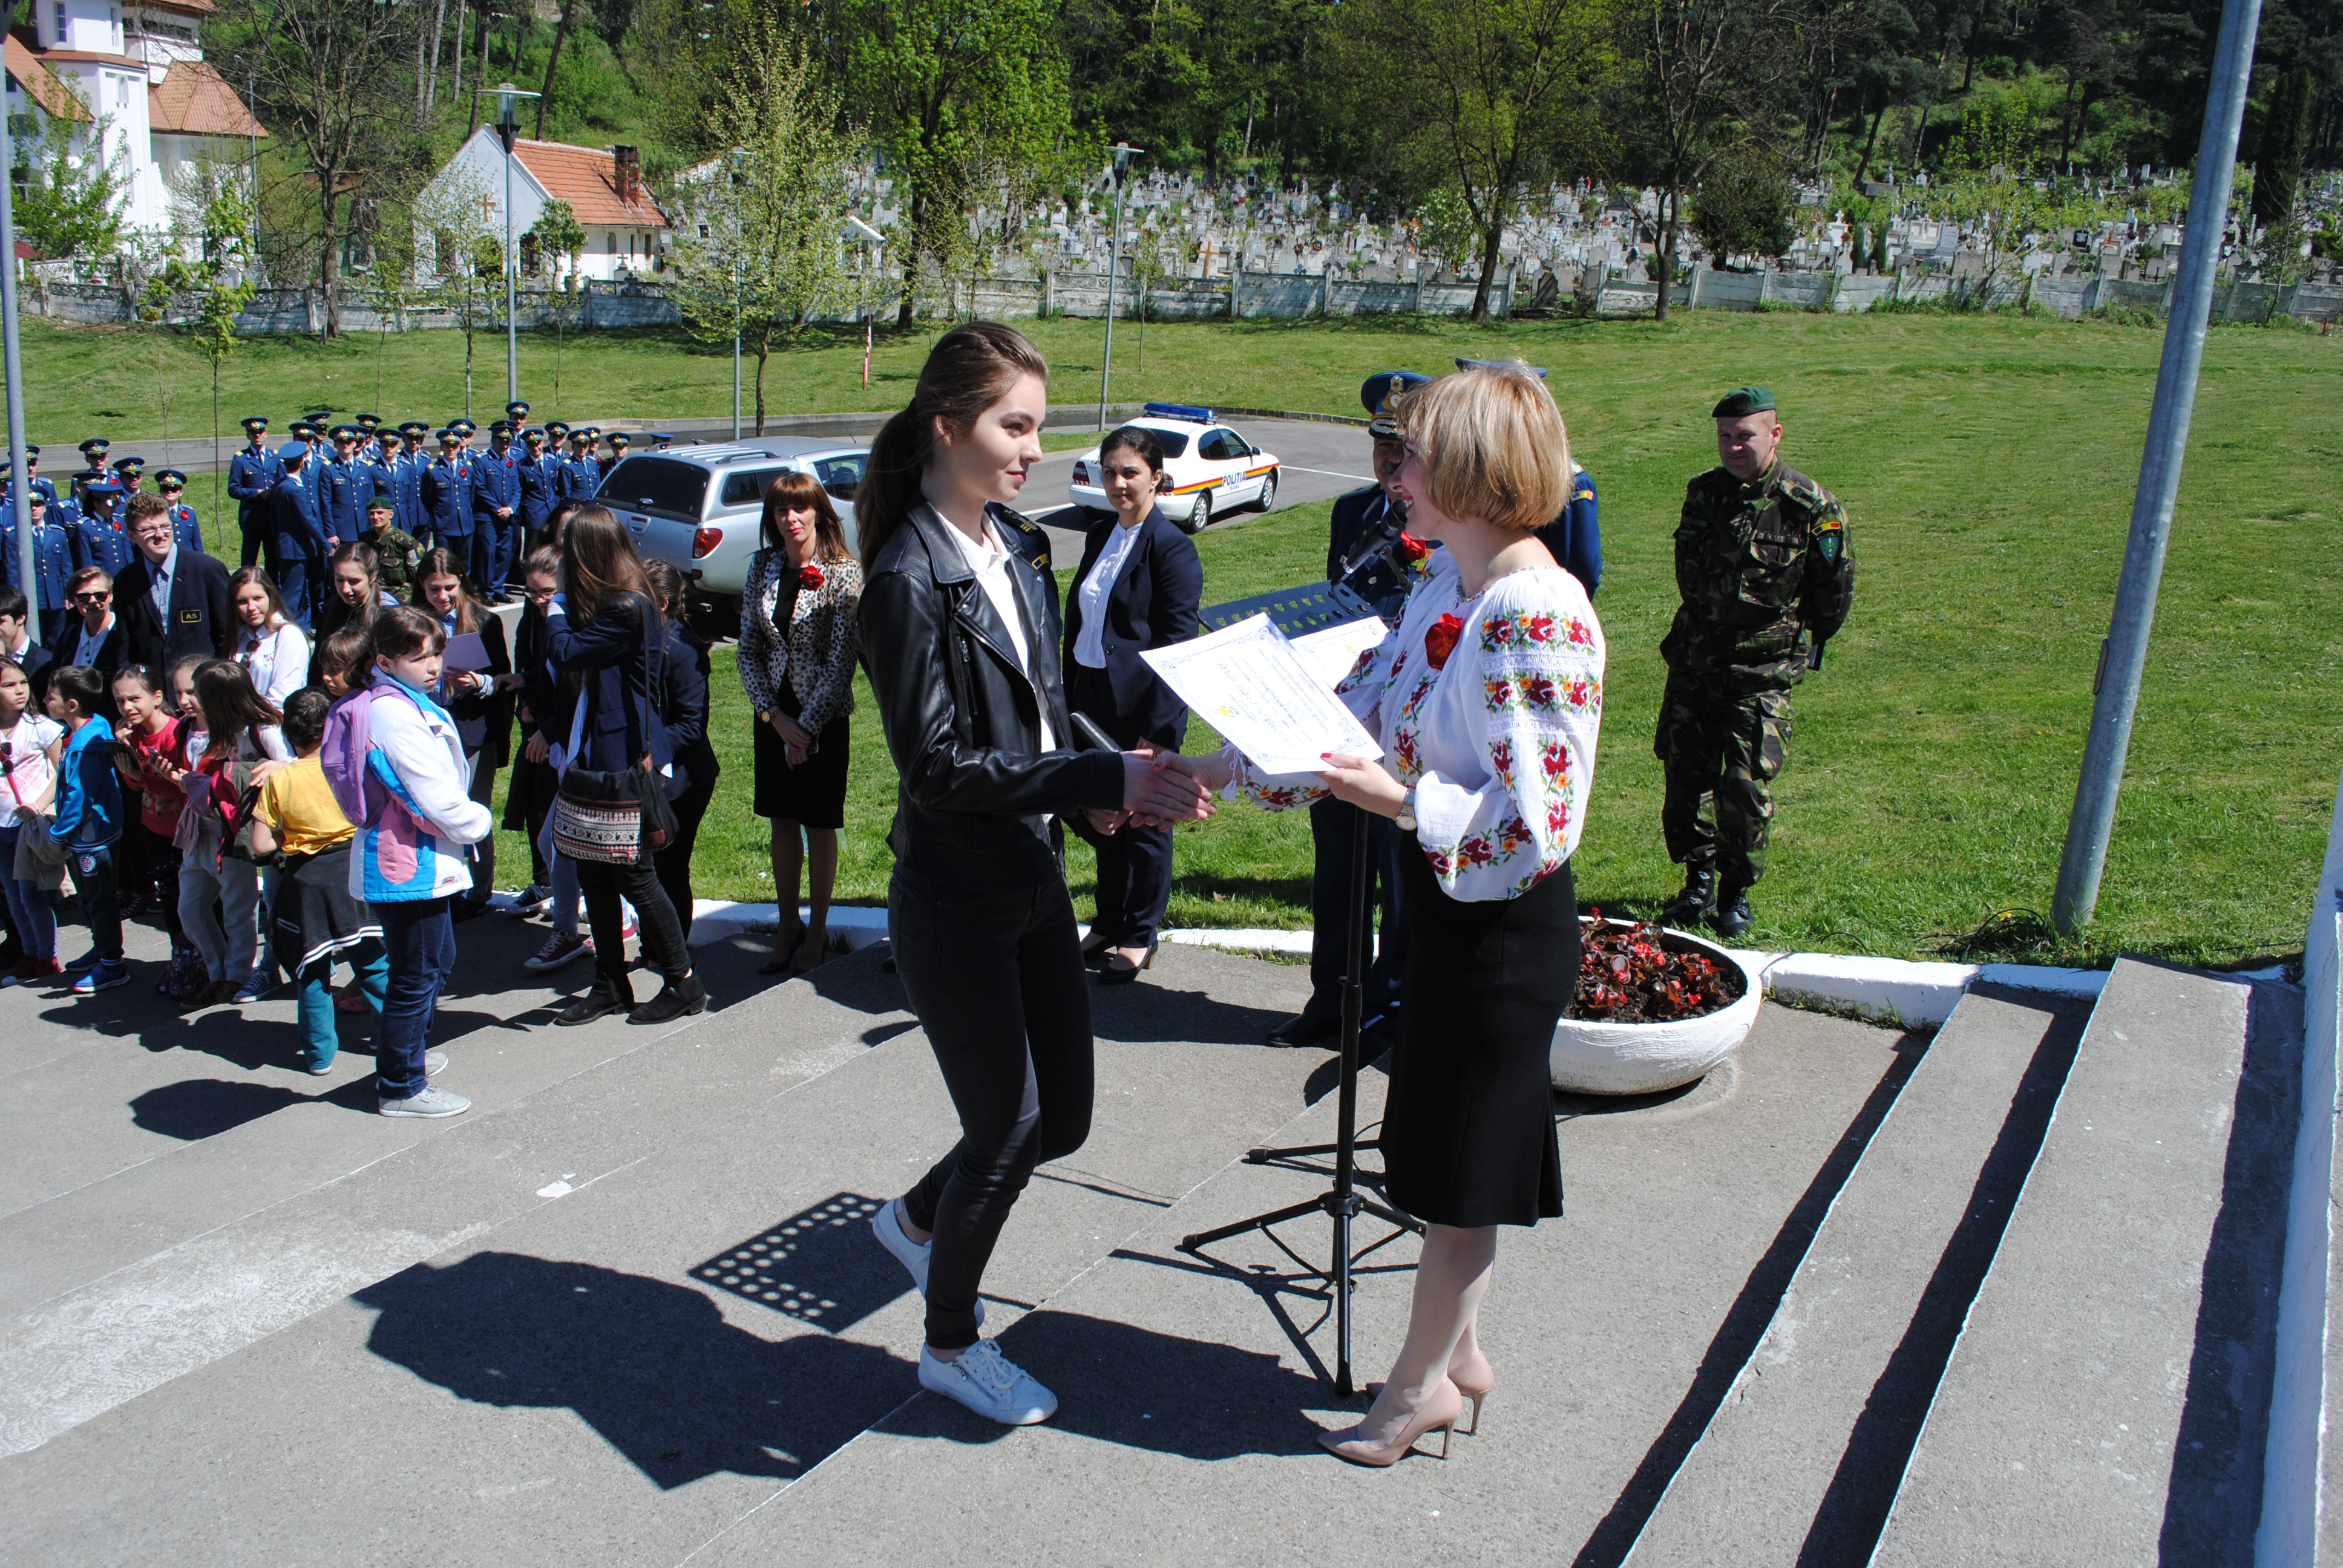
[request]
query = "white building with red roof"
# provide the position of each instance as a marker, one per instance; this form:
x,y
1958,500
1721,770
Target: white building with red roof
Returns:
x,y
627,233
134,71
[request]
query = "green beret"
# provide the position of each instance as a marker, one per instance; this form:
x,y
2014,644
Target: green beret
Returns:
x,y
1744,400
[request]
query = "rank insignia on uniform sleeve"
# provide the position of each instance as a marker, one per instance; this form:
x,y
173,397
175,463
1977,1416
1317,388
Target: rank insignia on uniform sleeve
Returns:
x,y
1829,544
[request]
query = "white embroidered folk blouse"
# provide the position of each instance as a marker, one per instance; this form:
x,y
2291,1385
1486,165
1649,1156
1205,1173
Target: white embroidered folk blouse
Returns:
x,y
1495,735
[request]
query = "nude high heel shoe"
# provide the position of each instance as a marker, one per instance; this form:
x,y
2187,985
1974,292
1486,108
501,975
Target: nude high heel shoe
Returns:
x,y
1439,1414
1476,1380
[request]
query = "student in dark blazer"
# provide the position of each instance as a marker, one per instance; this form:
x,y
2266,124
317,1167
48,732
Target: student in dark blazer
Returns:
x,y
94,632
196,619
480,701
18,647
605,629
1138,587
681,698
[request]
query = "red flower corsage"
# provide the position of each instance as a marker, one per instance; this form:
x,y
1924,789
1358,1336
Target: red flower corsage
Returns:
x,y
1440,641
1414,548
810,576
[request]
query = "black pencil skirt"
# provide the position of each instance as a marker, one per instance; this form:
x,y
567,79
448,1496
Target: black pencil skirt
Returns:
x,y
1468,1136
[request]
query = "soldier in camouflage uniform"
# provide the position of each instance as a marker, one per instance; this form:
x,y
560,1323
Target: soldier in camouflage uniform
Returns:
x,y
396,553
1761,555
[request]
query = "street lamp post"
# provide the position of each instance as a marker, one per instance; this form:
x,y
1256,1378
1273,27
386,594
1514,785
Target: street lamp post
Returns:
x,y
1122,151
19,509
508,99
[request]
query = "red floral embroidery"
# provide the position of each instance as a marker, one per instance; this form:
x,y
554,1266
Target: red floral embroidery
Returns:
x,y
1501,757
1557,819
1554,760
1537,691
1440,641
810,576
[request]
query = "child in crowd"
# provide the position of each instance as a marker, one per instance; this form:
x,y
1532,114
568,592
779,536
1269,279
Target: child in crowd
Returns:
x,y
395,761
30,744
224,762
89,820
153,760
317,916
339,653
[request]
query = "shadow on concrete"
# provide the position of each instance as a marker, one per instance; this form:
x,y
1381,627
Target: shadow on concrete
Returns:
x,y
1144,1390
199,1107
1745,1324
652,1367
821,1266
1148,1013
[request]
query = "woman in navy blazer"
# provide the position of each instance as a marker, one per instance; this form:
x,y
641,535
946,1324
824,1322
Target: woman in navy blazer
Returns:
x,y
1138,587
604,631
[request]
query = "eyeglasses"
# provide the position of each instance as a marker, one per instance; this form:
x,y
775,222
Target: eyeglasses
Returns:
x,y
541,596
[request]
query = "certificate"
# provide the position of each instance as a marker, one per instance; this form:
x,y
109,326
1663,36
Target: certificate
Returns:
x,y
466,651
1333,650
1261,694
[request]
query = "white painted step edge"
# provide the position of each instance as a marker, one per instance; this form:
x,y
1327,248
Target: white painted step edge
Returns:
x,y
1889,990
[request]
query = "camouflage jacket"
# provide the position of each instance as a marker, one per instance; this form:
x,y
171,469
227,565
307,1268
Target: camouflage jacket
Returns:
x,y
399,555
1755,563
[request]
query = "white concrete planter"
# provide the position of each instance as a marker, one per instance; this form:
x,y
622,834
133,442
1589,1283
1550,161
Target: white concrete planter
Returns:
x,y
1591,1057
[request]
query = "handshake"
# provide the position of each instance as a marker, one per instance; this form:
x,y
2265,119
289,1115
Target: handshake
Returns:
x,y
1164,788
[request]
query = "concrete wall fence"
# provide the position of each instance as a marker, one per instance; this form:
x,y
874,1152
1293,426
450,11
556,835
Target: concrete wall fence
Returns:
x,y
1249,296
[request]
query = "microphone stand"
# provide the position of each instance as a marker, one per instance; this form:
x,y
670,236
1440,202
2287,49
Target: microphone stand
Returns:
x,y
1341,1203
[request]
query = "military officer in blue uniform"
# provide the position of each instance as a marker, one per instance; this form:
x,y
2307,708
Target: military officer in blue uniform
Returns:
x,y
581,476
100,540
516,412
496,512
93,452
619,441
1364,553
302,538
448,497
130,473
186,529
36,481
660,440
413,462
52,558
344,485
369,424
536,473
252,475
321,445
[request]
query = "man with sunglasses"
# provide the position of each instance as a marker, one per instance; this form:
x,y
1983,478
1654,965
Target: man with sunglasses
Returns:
x,y
93,634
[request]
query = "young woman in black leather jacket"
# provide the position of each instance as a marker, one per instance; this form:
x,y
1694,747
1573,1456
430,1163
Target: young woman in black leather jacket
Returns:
x,y
960,633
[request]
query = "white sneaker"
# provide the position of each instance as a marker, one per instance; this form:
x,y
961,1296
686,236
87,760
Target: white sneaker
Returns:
x,y
433,1102
989,1384
434,1061
913,1255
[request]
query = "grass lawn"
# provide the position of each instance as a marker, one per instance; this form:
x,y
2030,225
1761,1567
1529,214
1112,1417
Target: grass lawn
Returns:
x,y
1987,465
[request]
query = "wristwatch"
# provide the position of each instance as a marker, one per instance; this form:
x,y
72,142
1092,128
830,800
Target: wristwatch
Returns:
x,y
1406,819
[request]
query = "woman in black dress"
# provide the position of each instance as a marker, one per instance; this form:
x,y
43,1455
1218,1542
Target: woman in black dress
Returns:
x,y
1486,699
1137,588
797,664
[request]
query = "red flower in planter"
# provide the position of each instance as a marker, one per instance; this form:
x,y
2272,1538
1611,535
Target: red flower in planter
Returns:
x,y
810,576
1440,641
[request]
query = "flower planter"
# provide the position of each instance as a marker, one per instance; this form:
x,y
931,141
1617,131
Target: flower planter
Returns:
x,y
1595,1057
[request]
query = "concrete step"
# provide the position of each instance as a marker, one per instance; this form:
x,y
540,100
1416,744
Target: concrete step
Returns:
x,y
2107,1399
1801,1458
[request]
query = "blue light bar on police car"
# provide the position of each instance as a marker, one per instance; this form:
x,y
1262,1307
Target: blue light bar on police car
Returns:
x,y
1186,411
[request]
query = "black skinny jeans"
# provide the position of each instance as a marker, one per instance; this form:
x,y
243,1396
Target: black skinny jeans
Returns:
x,y
996,977
602,886
674,862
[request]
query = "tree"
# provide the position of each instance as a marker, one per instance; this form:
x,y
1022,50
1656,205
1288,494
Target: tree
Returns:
x,y
557,233
464,250
1745,207
329,78
2286,136
1706,72
775,208
65,188
1500,96
949,89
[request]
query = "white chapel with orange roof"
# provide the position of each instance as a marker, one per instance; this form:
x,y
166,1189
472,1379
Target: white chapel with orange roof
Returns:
x,y
627,233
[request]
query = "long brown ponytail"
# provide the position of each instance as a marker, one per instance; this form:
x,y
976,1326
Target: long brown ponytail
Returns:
x,y
971,368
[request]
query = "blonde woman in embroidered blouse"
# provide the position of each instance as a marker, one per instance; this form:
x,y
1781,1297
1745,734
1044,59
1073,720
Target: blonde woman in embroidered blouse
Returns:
x,y
797,642
1487,700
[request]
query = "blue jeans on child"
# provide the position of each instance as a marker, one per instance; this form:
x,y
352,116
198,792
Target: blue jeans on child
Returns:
x,y
420,937
372,967
30,914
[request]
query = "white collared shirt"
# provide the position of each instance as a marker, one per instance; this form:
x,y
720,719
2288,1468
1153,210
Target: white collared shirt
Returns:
x,y
85,650
1090,643
990,561
161,572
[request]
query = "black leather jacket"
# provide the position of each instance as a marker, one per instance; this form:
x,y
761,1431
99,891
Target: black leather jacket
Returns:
x,y
975,792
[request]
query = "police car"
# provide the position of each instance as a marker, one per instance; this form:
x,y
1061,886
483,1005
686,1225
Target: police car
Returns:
x,y
702,507
1207,468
